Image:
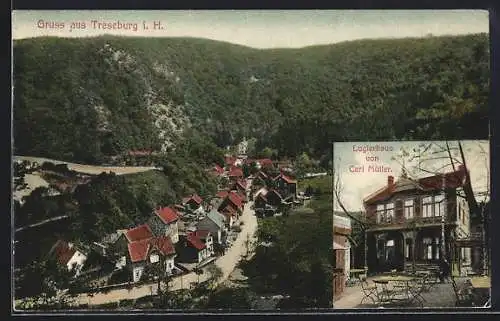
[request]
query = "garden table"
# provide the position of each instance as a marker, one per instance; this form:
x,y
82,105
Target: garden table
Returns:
x,y
405,288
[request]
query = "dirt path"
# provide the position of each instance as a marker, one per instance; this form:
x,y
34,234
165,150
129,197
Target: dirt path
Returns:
x,y
89,169
226,263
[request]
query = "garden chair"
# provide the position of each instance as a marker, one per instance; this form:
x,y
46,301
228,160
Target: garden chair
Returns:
x,y
463,295
416,289
369,291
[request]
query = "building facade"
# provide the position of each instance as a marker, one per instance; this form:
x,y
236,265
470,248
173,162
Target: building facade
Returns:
x,y
415,221
341,250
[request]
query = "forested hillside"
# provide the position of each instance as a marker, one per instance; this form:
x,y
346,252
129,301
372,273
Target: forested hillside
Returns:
x,y
82,99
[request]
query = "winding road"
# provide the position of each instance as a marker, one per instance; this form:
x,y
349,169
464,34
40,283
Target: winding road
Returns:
x,y
226,263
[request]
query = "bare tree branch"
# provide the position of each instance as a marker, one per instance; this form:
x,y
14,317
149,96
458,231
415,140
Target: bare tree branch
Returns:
x,y
449,154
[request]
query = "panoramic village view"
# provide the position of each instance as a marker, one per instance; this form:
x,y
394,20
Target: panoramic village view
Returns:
x,y
421,217
182,160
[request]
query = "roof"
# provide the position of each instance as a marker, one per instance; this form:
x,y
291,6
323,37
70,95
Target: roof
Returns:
x,y
201,234
195,242
222,194
235,199
139,250
112,238
195,197
262,175
228,211
63,251
167,215
431,183
273,191
216,217
262,196
452,180
265,161
287,179
218,169
242,183
230,160
140,152
235,172
138,233
262,191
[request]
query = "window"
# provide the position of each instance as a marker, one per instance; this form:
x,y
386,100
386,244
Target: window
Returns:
x,y
409,209
385,213
427,206
433,206
380,213
407,251
439,205
154,258
137,274
389,212
427,248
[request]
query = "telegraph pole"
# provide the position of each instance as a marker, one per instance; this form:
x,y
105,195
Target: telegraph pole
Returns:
x,y
443,219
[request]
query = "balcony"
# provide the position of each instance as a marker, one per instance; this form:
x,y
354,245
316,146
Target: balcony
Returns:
x,y
394,223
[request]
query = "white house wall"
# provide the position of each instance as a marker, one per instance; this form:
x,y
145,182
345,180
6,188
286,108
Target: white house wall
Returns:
x,y
77,260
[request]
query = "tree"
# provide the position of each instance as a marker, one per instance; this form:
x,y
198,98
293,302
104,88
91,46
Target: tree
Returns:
x,y
215,273
230,298
437,158
41,285
303,164
267,152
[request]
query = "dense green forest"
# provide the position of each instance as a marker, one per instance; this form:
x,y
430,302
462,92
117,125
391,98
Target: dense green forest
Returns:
x,y
83,99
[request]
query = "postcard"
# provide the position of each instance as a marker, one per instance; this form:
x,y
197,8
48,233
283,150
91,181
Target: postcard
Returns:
x,y
182,160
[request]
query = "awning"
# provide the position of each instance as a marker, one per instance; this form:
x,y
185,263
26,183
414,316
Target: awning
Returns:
x,y
337,246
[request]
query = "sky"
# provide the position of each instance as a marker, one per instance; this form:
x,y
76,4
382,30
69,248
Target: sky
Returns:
x,y
256,28
355,185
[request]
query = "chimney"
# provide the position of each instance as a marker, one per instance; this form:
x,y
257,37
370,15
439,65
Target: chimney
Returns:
x,y
390,180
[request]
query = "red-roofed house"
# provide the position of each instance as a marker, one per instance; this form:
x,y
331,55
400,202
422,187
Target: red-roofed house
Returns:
x,y
194,201
240,186
165,222
286,185
192,249
68,255
222,194
230,161
260,201
230,215
234,200
217,170
274,198
139,233
146,252
406,216
264,163
206,237
235,173
260,179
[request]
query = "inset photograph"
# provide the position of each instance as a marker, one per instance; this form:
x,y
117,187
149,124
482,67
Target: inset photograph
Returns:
x,y
411,224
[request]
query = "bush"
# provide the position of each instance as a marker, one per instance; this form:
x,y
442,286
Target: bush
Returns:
x,y
111,305
120,276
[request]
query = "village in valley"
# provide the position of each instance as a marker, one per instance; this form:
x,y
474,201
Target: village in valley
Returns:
x,y
194,244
